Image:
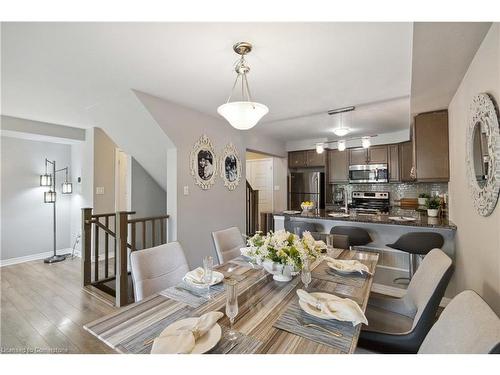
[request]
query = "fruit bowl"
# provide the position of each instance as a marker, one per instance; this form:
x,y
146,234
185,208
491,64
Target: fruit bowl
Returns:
x,y
307,206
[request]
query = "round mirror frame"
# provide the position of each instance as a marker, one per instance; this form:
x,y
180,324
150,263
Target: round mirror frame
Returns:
x,y
483,112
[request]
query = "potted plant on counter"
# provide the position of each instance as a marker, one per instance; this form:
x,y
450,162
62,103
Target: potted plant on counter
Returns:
x,y
433,205
423,198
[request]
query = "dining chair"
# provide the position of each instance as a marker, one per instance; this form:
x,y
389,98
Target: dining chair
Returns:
x,y
228,243
466,326
399,325
157,268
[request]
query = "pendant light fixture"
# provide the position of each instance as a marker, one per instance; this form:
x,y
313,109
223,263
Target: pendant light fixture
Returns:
x,y
320,148
67,187
365,142
244,114
342,130
341,145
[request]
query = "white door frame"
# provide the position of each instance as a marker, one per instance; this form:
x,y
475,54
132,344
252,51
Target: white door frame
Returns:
x,y
128,179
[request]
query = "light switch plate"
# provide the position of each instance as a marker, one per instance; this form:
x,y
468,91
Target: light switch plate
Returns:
x,y
99,190
186,190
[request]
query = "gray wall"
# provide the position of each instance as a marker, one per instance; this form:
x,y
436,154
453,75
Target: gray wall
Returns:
x,y
147,197
26,220
202,211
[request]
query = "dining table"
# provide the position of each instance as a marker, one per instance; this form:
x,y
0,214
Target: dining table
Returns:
x,y
269,320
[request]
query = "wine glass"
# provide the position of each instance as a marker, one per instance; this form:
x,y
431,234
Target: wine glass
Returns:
x,y
208,263
305,275
231,307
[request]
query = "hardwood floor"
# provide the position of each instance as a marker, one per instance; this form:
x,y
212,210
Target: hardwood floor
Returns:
x,y
44,308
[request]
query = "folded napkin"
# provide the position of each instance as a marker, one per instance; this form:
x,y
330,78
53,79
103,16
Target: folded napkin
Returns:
x,y
347,265
183,340
196,275
343,309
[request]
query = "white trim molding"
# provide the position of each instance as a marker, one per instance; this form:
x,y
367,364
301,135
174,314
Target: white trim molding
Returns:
x,y
28,258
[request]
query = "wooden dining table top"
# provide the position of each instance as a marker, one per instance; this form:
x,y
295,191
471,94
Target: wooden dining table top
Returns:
x,y
261,301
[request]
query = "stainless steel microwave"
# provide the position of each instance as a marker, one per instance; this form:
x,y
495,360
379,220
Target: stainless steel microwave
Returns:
x,y
368,173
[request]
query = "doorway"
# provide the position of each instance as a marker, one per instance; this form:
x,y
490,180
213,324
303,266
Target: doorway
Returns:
x,y
123,181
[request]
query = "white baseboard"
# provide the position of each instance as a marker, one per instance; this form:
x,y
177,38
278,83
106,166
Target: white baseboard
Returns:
x,y
28,258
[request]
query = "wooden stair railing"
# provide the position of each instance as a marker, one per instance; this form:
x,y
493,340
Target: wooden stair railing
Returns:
x,y
252,210
115,228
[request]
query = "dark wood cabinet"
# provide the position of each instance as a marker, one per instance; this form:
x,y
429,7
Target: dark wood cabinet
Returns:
x,y
297,159
308,158
338,166
357,156
393,153
313,159
406,161
377,154
431,146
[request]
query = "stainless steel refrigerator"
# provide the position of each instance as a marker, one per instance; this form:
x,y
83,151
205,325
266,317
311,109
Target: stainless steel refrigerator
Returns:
x,y
306,186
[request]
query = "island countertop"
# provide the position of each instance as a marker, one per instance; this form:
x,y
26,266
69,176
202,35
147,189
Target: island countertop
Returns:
x,y
422,221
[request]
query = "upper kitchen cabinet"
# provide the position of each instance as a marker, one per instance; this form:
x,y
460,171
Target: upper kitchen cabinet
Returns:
x,y
406,161
357,156
393,153
338,166
314,159
431,146
297,159
371,155
302,159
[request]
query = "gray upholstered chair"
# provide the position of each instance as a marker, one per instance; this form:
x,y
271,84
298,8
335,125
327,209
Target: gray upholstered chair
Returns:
x,y
466,326
416,244
157,268
299,227
228,243
357,236
399,325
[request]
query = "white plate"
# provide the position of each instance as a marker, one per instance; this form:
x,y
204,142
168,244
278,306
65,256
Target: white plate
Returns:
x,y
402,218
344,272
217,277
312,311
292,212
204,343
338,214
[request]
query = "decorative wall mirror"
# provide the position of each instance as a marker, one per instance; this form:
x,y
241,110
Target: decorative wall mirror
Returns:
x,y
203,163
483,154
230,167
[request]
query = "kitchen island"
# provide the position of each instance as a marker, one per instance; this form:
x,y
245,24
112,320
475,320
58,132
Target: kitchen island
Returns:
x,y
381,229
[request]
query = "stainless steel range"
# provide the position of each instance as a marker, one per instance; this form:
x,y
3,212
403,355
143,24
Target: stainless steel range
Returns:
x,y
370,202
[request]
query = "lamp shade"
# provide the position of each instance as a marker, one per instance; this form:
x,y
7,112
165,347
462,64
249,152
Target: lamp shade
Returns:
x,y
341,145
243,115
49,196
341,131
365,142
45,180
67,188
320,148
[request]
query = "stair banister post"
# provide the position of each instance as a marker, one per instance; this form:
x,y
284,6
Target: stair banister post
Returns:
x,y
121,258
86,246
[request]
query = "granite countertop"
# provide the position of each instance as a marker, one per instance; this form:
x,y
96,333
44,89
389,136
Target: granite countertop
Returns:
x,y
422,220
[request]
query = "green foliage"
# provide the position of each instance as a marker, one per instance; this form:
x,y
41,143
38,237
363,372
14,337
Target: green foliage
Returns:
x,y
433,203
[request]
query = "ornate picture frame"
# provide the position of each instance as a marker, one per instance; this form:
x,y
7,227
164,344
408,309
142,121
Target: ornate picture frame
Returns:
x,y
484,193
203,163
230,167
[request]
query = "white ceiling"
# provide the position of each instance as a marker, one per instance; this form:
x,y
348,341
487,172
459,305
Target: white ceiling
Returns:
x,y
53,71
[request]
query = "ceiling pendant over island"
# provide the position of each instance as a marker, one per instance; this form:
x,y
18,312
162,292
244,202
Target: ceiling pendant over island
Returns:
x,y
244,114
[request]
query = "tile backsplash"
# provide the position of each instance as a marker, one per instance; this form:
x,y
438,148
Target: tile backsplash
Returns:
x,y
397,190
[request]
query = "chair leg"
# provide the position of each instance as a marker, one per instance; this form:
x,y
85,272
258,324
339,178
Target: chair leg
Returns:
x,y
411,271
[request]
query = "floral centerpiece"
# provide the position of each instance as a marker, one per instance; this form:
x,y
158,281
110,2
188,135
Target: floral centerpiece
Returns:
x,y
283,253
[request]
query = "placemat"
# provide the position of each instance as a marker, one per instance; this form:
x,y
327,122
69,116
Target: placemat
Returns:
x,y
288,322
191,296
323,272
242,345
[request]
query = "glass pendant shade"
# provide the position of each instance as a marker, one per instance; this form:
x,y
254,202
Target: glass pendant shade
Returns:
x,y
67,188
242,115
45,180
49,196
365,142
341,131
341,145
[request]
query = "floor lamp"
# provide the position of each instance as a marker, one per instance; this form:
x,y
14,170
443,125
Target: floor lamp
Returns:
x,y
49,180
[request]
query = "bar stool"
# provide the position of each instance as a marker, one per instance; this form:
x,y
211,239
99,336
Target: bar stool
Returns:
x,y
416,244
299,227
357,236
